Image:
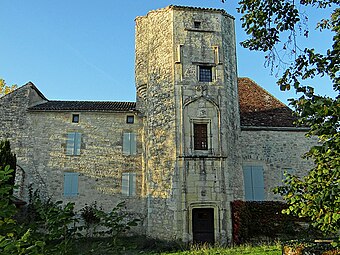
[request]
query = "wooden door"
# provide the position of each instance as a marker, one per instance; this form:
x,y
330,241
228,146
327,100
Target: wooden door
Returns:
x,y
203,225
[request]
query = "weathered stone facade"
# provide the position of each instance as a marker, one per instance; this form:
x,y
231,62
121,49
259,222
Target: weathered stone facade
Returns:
x,y
194,133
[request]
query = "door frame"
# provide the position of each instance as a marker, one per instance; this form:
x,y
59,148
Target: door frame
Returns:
x,y
200,205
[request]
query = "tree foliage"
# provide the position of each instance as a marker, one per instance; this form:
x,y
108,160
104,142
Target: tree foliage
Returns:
x,y
13,239
5,89
273,27
8,158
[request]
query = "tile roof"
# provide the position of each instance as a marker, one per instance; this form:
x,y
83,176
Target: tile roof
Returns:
x,y
258,108
92,106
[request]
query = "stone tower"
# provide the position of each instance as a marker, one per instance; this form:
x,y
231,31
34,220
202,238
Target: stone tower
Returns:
x,y
186,81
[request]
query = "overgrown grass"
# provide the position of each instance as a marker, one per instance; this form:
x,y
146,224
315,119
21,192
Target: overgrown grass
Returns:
x,y
140,245
253,250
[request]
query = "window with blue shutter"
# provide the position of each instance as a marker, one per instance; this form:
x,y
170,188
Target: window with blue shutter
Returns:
x,y
253,183
73,143
71,184
129,184
129,144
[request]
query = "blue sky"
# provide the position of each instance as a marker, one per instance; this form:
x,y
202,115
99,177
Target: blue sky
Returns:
x,y
84,50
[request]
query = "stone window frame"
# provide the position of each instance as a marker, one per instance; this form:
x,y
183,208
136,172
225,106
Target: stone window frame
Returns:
x,y
75,118
212,68
130,119
208,122
197,24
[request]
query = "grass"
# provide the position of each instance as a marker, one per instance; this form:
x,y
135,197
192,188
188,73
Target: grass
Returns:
x,y
254,250
140,245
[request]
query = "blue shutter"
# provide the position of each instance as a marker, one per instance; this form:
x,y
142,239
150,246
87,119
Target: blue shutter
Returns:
x,y
129,184
126,143
258,183
132,184
77,143
71,184
133,143
248,183
70,144
125,184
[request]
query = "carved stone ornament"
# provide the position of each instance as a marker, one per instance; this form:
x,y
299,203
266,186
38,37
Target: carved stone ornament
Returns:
x,y
202,112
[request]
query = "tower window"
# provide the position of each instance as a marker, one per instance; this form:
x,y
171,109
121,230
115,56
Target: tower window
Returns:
x,y
197,24
200,136
205,73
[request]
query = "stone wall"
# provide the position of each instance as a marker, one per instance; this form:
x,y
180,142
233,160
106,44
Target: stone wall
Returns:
x,y
39,141
276,151
13,117
15,126
156,101
101,161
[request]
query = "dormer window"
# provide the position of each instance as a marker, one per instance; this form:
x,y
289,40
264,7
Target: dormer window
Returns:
x,y
197,24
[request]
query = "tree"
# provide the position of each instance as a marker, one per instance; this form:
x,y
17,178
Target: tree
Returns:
x,y
7,158
13,239
4,89
273,27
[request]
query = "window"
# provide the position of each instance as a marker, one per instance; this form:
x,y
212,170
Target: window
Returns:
x,y
130,119
73,144
70,184
253,183
129,143
200,136
197,24
75,118
129,184
205,73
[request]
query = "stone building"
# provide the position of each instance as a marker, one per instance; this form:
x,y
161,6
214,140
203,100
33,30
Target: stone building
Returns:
x,y
196,138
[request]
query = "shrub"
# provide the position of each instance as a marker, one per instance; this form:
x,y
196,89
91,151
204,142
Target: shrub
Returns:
x,y
256,219
7,158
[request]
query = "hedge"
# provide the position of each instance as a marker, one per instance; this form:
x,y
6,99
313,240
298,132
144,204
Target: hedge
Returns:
x,y
255,220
